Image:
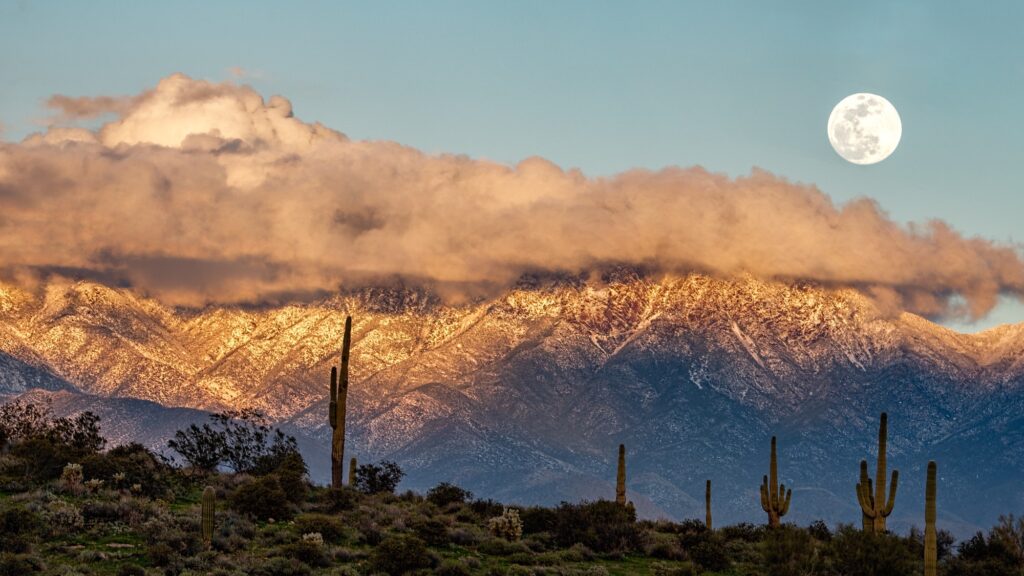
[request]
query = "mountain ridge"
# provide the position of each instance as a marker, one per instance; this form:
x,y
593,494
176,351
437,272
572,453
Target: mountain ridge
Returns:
x,y
526,394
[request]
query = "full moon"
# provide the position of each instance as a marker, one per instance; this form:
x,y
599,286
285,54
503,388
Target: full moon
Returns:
x,y
864,128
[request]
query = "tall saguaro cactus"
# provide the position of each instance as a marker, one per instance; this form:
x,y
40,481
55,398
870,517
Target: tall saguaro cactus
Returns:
x,y
339,397
775,499
874,505
931,550
707,506
620,478
209,510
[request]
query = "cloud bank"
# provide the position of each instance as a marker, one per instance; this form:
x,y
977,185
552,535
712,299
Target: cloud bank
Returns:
x,y
200,192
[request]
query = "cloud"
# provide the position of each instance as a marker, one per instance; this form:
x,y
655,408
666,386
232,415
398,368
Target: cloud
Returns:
x,y
205,192
69,109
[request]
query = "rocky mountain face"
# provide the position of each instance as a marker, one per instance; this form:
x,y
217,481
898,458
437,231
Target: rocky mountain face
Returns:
x,y
525,397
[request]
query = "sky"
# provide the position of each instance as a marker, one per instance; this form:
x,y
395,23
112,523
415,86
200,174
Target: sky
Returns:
x,y
600,86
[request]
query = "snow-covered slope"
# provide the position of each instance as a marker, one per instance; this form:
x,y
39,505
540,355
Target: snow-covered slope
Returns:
x,y
525,396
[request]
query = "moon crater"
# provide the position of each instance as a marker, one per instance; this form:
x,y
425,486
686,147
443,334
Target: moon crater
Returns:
x,y
864,128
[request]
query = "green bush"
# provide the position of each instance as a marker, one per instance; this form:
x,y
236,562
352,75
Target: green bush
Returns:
x,y
308,553
397,555
16,525
279,566
710,554
377,478
858,553
602,526
130,465
445,493
433,531
330,527
19,564
788,550
262,498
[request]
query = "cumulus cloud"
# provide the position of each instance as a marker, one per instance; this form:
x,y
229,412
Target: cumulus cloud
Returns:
x,y
205,192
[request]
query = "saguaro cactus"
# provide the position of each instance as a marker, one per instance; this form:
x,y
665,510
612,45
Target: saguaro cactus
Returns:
x,y
867,523
209,511
339,397
352,465
775,499
931,554
874,506
620,479
707,505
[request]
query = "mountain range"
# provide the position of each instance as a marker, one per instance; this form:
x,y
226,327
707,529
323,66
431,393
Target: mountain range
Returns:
x,y
525,396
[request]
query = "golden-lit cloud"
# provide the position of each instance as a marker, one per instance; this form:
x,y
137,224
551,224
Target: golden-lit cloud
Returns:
x,y
205,192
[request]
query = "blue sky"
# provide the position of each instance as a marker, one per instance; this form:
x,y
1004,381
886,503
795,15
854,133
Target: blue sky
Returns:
x,y
603,86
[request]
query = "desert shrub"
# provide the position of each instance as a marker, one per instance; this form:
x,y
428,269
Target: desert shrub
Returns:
x,y
465,536
291,474
131,570
397,555
433,531
710,554
334,500
538,519
819,531
452,567
445,493
242,440
674,569
161,553
745,531
19,564
486,508
62,518
263,498
501,547
16,525
665,548
377,478
280,566
981,556
789,550
508,526
307,552
330,527
130,464
602,526
858,553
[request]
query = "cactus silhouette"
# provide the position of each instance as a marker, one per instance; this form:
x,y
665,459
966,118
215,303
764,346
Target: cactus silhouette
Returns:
x,y
209,510
775,499
620,479
707,505
930,541
873,504
339,397
867,523
352,464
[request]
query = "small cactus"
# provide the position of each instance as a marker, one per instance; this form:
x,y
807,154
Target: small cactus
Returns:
x,y
775,499
508,526
71,477
707,506
209,511
620,478
930,538
352,465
